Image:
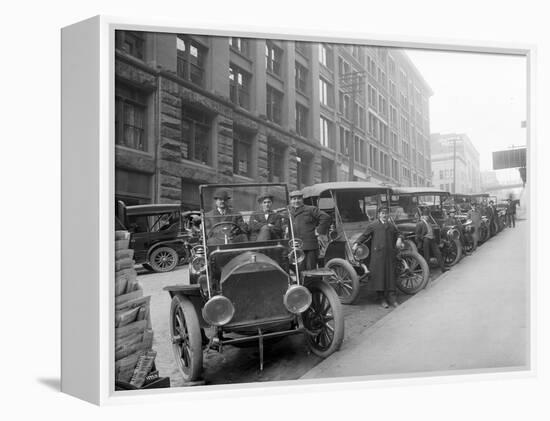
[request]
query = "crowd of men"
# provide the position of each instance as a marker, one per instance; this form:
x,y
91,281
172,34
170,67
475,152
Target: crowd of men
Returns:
x,y
311,225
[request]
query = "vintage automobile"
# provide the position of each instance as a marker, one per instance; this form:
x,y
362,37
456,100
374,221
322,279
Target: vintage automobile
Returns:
x,y
482,200
352,205
460,204
408,203
156,235
245,289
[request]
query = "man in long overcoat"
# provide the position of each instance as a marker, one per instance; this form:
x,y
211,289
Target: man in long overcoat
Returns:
x,y
266,224
308,222
222,212
475,216
383,257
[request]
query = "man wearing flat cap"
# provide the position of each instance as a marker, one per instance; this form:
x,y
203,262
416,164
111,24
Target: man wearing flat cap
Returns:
x,y
383,257
265,224
425,239
308,222
222,212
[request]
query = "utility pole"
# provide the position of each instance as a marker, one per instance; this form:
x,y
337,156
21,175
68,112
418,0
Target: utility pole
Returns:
x,y
454,140
352,83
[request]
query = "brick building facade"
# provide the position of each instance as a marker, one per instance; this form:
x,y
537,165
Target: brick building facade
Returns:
x,y
198,109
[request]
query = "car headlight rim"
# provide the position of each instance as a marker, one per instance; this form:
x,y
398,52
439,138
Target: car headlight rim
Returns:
x,y
198,264
218,311
297,299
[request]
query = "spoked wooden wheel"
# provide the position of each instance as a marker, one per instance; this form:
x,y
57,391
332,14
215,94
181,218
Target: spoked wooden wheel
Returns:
x,y
345,280
163,259
453,253
468,247
323,320
412,272
186,339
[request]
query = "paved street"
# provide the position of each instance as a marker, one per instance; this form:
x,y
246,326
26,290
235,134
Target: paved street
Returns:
x,y
477,307
474,317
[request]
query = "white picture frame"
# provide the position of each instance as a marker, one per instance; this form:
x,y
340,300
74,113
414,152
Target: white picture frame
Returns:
x,y
88,191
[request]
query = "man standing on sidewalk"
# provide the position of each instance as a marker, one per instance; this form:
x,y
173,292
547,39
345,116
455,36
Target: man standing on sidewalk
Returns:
x,y
308,223
383,257
425,239
511,213
475,216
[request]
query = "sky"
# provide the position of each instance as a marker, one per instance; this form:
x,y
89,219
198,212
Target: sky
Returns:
x,y
481,95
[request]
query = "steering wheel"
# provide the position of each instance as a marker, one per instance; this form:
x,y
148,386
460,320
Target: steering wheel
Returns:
x,y
222,229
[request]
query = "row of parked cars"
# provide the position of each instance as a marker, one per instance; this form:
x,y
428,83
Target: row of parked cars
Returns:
x,y
243,291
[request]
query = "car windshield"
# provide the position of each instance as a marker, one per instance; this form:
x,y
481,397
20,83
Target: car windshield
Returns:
x,y
409,207
352,206
247,213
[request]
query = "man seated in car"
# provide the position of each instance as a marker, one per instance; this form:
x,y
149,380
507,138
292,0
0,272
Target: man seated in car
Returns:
x,y
266,224
235,229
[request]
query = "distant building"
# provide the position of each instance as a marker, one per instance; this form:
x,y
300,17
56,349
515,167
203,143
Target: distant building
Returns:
x,y
450,151
196,109
489,180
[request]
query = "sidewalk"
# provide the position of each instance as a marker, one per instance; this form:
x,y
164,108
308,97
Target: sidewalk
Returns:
x,y
473,317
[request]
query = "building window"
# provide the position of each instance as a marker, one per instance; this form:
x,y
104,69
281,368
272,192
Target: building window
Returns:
x,y
361,117
300,78
239,86
392,89
131,42
303,171
373,126
344,67
372,95
275,162
393,116
273,58
325,55
191,60
242,153
394,144
274,103
383,133
326,133
195,129
301,120
344,105
242,45
345,137
373,158
190,197
381,105
133,188
130,117
359,151
326,94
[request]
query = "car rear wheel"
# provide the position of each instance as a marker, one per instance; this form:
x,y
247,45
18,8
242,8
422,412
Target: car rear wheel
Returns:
x,y
453,253
345,280
186,339
163,259
323,320
412,272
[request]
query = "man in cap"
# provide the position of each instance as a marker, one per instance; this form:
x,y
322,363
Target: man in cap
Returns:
x,y
266,224
222,212
425,239
383,257
308,222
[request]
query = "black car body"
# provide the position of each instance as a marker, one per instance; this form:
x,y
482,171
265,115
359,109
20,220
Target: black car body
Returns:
x,y
351,206
242,290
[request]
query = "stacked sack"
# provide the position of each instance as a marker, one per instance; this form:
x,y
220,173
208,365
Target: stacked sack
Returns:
x,y
134,356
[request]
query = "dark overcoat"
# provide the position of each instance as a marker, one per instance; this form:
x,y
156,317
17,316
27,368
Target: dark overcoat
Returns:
x,y
257,221
383,255
305,220
214,217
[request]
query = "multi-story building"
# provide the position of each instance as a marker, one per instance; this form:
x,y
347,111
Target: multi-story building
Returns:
x,y
455,152
200,109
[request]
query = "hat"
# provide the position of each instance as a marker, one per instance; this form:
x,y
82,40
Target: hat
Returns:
x,y
221,194
296,193
261,197
383,209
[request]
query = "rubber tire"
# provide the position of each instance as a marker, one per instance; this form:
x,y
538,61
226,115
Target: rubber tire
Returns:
x,y
411,245
193,370
353,280
458,254
156,267
425,273
322,287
